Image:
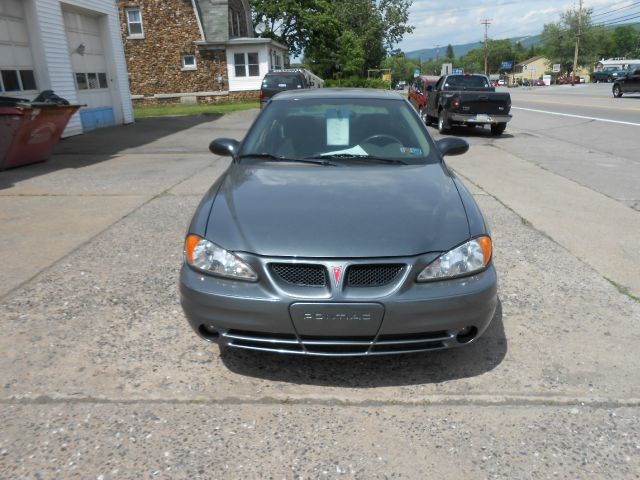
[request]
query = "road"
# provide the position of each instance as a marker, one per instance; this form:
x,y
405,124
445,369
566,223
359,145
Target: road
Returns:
x,y
573,176
102,378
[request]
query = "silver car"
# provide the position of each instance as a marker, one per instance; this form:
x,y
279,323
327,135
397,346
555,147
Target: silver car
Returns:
x,y
338,230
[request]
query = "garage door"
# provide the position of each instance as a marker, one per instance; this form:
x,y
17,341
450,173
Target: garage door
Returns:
x,y
88,60
17,77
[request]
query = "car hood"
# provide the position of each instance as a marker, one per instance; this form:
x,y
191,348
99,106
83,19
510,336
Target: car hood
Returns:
x,y
336,212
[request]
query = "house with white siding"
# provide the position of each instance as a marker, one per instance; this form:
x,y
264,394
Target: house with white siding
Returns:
x,y
73,48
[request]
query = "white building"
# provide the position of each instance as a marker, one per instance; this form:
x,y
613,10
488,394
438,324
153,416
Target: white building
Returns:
x,y
73,48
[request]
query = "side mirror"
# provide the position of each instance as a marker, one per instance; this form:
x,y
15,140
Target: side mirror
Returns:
x,y
452,146
226,147
429,88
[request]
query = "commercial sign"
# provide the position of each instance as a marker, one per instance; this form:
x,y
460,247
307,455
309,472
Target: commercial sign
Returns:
x,y
457,71
416,73
508,65
556,68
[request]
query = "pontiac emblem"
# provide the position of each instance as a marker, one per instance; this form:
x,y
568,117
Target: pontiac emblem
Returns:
x,y
337,274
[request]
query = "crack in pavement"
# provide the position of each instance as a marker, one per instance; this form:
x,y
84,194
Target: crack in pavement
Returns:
x,y
437,400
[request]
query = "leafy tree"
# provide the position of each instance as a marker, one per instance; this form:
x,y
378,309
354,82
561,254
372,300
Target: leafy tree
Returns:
x,y
350,56
450,53
559,40
296,23
627,41
318,29
395,18
401,67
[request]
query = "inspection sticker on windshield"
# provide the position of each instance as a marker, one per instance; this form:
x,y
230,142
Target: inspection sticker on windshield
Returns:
x,y
338,127
411,150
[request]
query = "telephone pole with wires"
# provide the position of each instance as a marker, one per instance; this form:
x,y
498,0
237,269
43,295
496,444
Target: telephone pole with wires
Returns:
x,y
575,55
486,22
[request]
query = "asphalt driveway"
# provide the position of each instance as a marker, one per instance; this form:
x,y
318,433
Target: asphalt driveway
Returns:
x,y
102,377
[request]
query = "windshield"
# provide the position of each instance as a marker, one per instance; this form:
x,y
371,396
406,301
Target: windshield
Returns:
x,y
282,81
466,82
341,129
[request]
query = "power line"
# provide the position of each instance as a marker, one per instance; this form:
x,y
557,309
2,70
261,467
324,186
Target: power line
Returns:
x,y
615,10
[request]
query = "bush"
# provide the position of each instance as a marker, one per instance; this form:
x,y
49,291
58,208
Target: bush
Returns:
x,y
357,82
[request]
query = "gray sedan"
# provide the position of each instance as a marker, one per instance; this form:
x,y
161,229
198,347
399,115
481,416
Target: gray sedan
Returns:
x,y
338,230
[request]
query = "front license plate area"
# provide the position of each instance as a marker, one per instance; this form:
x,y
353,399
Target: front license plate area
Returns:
x,y
337,319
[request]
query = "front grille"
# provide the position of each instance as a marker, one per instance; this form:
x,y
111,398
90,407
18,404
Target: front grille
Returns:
x,y
339,346
302,275
373,275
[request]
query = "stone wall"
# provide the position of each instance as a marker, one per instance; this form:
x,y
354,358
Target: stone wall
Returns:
x,y
155,61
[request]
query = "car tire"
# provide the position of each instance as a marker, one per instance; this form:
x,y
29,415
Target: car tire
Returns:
x,y
617,92
428,120
498,129
443,124
609,79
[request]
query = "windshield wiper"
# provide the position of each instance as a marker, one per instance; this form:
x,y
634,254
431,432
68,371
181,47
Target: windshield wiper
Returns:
x,y
356,156
276,158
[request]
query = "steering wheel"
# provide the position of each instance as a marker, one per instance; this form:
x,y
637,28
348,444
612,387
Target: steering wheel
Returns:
x,y
375,139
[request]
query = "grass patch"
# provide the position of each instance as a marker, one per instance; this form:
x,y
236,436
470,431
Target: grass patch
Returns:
x,y
143,111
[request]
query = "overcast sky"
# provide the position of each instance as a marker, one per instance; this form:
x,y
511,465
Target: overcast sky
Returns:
x,y
441,22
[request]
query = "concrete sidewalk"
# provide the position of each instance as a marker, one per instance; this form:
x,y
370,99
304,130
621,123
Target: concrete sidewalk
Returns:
x,y
48,210
597,229
102,377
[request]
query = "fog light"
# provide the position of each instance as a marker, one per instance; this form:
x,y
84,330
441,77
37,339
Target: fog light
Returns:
x,y
208,331
467,334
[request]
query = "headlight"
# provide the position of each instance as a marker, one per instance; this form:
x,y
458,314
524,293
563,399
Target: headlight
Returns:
x,y
210,258
466,259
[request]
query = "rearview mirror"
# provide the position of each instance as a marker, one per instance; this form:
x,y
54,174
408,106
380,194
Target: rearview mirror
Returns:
x,y
452,146
226,147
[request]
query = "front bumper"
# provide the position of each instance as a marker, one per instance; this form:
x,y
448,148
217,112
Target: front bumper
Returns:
x,y
407,317
473,119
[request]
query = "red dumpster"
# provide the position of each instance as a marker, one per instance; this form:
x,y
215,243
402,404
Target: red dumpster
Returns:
x,y
29,131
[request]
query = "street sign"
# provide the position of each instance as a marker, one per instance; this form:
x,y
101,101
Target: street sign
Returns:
x,y
556,68
386,77
508,65
457,71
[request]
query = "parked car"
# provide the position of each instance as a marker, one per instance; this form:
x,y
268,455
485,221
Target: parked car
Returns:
x,y
607,74
539,83
627,82
279,81
468,100
418,92
567,80
338,230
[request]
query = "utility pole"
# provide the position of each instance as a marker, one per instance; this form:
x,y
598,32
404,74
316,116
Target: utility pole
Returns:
x,y
486,22
575,55
437,52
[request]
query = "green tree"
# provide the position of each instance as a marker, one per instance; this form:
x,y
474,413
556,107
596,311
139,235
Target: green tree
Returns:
x,y
627,41
559,40
296,23
317,28
401,67
350,56
450,53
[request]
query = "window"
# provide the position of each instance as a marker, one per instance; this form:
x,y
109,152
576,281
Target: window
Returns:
x,y
134,22
189,62
93,81
246,64
238,60
254,66
17,80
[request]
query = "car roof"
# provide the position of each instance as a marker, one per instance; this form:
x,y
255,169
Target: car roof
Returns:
x,y
337,93
278,72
